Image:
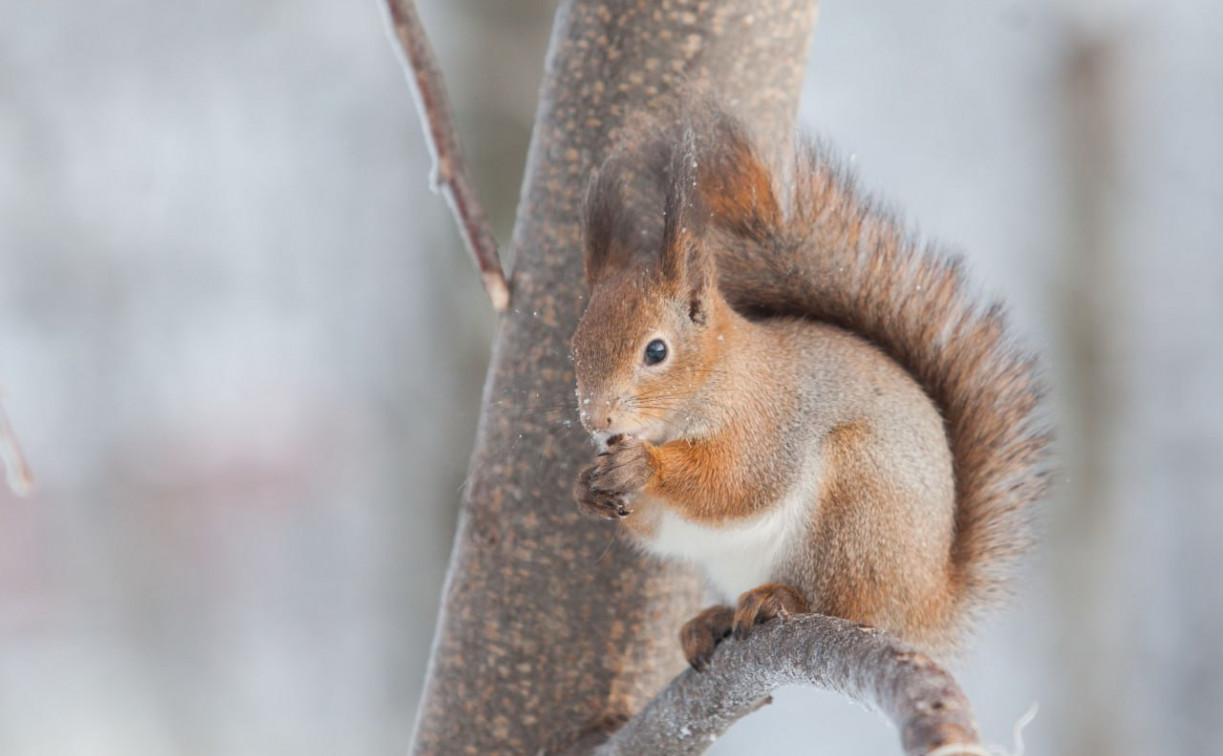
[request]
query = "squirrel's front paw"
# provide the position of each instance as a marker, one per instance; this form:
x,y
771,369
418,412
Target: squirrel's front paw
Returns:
x,y
592,502
603,489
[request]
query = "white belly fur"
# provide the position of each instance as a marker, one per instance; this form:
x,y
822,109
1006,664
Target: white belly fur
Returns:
x,y
740,556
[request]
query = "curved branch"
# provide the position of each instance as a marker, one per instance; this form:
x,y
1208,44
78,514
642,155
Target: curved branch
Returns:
x,y
449,168
918,696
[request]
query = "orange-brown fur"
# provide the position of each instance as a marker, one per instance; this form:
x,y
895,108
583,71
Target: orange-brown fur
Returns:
x,y
854,580
808,339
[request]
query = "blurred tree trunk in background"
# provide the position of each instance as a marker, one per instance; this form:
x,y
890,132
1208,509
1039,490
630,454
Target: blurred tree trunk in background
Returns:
x,y
1138,570
1086,525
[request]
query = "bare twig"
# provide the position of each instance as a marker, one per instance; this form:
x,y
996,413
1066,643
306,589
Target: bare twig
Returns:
x,y
16,470
919,697
449,169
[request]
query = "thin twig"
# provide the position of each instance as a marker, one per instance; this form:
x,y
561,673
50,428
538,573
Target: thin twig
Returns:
x,y
928,708
16,470
449,168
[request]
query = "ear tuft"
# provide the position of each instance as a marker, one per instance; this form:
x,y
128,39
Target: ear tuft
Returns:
x,y
606,234
684,258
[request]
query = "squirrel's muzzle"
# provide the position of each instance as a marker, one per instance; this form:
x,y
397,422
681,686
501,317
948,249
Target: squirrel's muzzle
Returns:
x,y
599,416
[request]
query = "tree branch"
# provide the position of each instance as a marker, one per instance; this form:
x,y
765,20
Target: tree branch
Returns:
x,y
449,168
919,697
16,470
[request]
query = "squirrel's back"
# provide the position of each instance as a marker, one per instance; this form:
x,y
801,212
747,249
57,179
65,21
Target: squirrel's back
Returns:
x,y
823,251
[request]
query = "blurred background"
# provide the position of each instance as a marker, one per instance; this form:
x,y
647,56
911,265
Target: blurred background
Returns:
x,y
243,350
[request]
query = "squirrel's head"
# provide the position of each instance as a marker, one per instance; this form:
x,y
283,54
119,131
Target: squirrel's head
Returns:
x,y
646,346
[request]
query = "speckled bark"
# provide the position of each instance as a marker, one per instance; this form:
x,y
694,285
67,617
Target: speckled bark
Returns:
x,y
549,625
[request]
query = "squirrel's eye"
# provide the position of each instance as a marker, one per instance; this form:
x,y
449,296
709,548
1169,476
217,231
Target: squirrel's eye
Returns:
x,y
655,352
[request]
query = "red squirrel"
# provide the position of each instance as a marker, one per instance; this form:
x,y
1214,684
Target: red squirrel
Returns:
x,y
795,396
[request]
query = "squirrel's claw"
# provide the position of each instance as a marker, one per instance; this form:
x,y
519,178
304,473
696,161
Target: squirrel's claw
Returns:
x,y
763,603
702,634
626,467
596,503
604,489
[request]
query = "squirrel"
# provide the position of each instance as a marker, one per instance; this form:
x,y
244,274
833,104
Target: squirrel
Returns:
x,y
791,393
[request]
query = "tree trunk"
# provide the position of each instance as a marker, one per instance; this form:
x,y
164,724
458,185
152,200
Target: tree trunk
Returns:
x,y
551,626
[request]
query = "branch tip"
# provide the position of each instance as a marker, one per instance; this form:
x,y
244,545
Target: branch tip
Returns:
x,y
17,471
498,290
449,175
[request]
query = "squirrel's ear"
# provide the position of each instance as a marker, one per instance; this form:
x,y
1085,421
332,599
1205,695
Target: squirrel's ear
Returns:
x,y
685,260
734,182
605,225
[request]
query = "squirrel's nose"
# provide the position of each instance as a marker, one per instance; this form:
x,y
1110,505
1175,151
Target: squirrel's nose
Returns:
x,y
599,422
597,416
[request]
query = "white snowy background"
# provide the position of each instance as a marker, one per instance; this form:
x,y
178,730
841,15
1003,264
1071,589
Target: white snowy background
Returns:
x,y
243,350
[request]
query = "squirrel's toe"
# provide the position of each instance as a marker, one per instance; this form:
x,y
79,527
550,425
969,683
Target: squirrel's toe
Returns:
x,y
701,635
763,603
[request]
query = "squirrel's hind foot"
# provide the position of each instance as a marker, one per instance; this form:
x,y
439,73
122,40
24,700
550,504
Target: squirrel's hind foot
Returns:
x,y
763,603
702,634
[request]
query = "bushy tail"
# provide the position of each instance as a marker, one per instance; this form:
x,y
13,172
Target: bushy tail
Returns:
x,y
821,250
